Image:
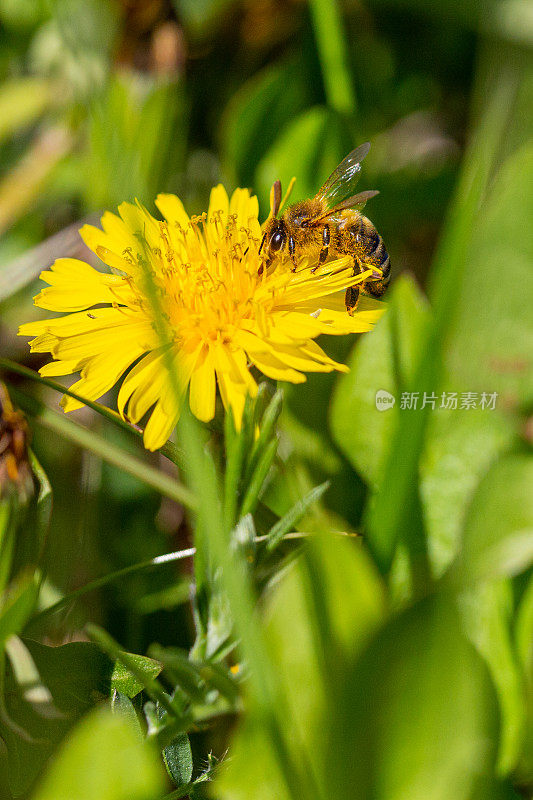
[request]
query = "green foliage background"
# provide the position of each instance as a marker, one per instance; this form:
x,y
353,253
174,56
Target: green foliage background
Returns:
x,y
357,621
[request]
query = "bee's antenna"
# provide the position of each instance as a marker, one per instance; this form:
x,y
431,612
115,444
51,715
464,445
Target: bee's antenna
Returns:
x,y
275,198
287,194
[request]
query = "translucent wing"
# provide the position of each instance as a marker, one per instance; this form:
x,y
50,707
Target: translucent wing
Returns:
x,y
356,202
342,181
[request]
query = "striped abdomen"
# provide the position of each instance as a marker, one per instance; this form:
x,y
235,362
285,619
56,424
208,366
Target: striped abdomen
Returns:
x,y
360,238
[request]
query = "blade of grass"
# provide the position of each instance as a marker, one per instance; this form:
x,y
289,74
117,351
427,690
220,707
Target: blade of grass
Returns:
x,y
328,28
89,440
258,477
396,515
266,430
25,372
282,528
235,453
111,577
236,583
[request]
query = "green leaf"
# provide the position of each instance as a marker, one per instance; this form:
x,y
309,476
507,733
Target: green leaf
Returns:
x,y
178,760
122,680
460,447
309,148
77,674
123,707
138,669
491,348
103,760
415,715
395,516
498,530
381,360
17,604
487,612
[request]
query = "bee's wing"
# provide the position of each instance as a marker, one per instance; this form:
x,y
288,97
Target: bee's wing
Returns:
x,y
343,180
356,202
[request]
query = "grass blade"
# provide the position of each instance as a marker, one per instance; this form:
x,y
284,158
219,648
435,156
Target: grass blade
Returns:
x,y
258,477
287,522
111,577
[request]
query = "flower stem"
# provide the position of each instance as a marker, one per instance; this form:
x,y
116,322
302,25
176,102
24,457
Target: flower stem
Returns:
x,y
327,24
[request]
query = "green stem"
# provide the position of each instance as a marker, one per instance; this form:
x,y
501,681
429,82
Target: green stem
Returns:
x,y
166,558
89,440
329,34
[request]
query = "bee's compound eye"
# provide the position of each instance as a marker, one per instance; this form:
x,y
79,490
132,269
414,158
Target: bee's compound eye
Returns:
x,y
277,241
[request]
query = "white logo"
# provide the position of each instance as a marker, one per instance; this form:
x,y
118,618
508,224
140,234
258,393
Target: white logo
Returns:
x,y
384,400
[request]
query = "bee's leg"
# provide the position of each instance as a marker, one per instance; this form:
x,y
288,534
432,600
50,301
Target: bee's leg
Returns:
x,y
292,250
376,287
351,299
325,247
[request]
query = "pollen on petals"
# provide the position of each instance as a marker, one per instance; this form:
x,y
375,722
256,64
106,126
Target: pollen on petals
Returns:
x,y
224,314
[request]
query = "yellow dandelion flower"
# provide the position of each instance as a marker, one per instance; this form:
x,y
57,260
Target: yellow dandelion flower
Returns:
x,y
223,313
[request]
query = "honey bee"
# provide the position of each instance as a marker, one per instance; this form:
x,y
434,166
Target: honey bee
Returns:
x,y
331,223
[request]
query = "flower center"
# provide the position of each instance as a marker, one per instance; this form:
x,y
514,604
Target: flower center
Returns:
x,y
206,275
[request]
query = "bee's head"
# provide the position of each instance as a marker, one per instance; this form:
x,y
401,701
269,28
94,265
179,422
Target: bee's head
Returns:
x,y
275,235
274,238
